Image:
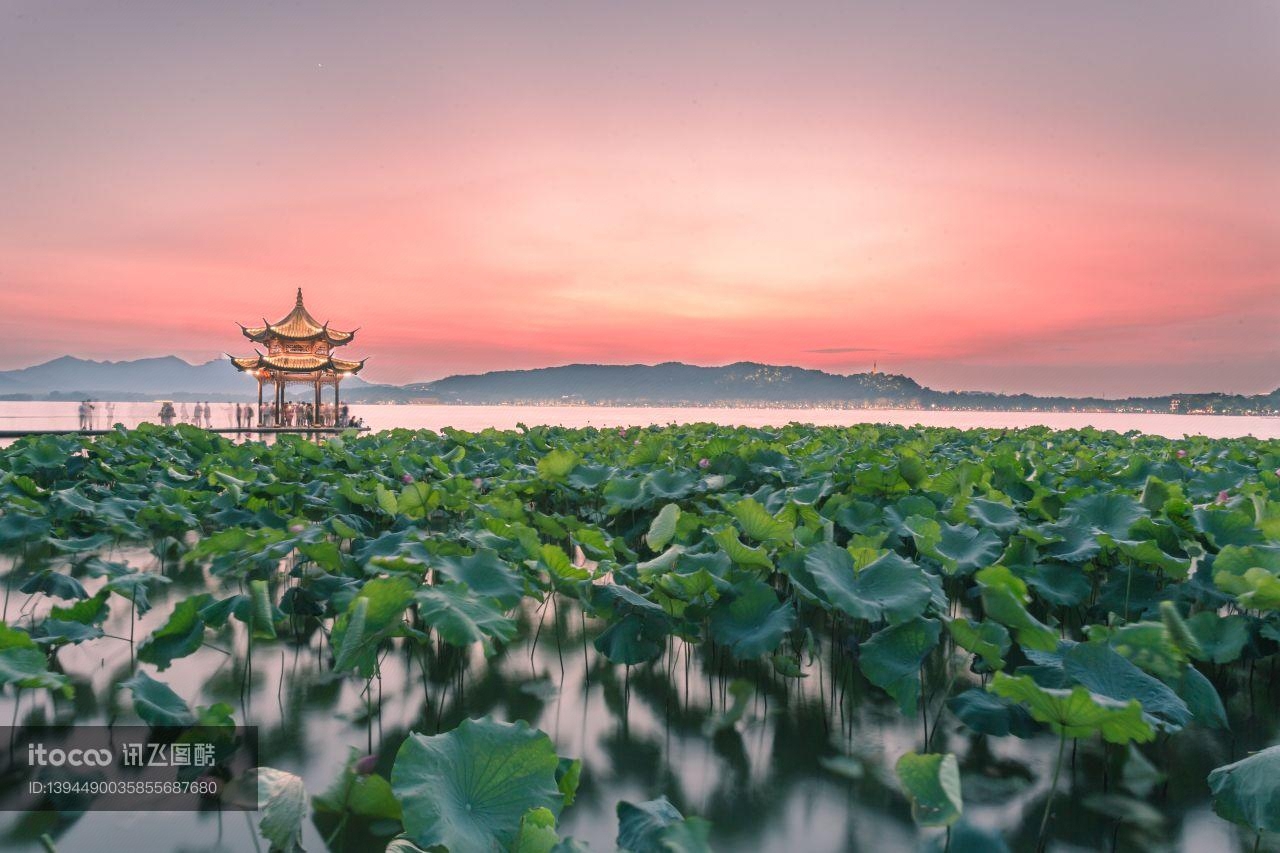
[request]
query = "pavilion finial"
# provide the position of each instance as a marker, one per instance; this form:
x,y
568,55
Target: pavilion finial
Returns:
x,y
299,297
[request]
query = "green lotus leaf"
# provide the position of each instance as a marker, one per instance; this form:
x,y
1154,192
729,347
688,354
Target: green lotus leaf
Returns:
x,y
960,549
891,588
989,640
1072,544
1106,673
460,618
470,788
632,639
663,528
1148,553
58,632
54,584
1246,792
156,703
485,574
90,611
932,783
758,524
1108,513
557,464
1076,713
23,664
179,636
1262,590
740,553
891,659
989,714
656,826
1148,645
375,614
1059,584
993,515
1004,598
1219,639
753,622
262,624
1201,698
1223,526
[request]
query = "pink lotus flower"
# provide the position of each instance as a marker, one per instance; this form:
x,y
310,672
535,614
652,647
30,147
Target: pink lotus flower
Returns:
x,y
1182,454
636,442
1223,497
1278,472
406,478
478,483
704,462
297,528
366,764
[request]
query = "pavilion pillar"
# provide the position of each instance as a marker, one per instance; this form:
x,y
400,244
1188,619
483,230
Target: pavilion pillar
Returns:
x,y
316,420
337,408
258,418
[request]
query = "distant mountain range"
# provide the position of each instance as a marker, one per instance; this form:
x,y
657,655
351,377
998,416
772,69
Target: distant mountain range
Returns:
x,y
668,384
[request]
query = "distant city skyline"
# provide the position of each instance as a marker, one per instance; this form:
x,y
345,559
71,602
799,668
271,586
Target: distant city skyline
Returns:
x,y
1070,199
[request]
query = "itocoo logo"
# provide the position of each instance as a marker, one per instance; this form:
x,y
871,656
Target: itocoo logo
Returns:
x,y
38,756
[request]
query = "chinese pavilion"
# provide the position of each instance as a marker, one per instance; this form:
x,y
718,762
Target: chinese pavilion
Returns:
x,y
299,351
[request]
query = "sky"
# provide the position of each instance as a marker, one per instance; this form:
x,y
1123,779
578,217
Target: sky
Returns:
x,y
1076,198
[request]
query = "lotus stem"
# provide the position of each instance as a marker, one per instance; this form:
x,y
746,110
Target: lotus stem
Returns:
x,y
1053,789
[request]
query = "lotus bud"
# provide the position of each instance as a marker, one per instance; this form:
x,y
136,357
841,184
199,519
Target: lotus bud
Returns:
x,y
1223,497
478,482
1182,454
297,528
704,462
406,478
366,764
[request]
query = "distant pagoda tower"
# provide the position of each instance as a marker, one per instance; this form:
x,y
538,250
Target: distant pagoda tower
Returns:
x,y
300,352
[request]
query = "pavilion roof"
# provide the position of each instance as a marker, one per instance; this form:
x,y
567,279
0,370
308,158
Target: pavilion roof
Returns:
x,y
296,363
297,325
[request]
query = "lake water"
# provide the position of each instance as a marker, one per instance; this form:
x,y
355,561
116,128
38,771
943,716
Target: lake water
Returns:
x,y
779,781
43,416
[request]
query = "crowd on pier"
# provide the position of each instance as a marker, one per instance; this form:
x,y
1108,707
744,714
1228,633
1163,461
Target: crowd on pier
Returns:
x,y
246,416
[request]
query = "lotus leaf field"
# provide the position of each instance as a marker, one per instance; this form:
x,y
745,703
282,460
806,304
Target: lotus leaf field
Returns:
x,y
666,639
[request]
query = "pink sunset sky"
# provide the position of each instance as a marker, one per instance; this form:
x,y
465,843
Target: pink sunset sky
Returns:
x,y
1075,198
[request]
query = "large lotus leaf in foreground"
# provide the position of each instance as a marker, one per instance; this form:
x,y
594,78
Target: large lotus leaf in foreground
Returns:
x,y
469,788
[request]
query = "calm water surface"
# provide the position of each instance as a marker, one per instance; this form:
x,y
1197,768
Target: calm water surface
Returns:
x,y
767,785
40,415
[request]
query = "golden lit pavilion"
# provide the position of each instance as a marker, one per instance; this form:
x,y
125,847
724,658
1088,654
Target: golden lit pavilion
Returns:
x,y
299,352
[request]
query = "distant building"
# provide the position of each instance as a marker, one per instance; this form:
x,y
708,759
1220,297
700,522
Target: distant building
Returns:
x,y
300,352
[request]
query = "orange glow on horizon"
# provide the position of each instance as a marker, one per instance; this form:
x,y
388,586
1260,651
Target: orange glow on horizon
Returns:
x,y
832,193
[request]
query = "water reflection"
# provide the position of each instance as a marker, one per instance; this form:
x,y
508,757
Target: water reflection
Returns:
x,y
809,767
